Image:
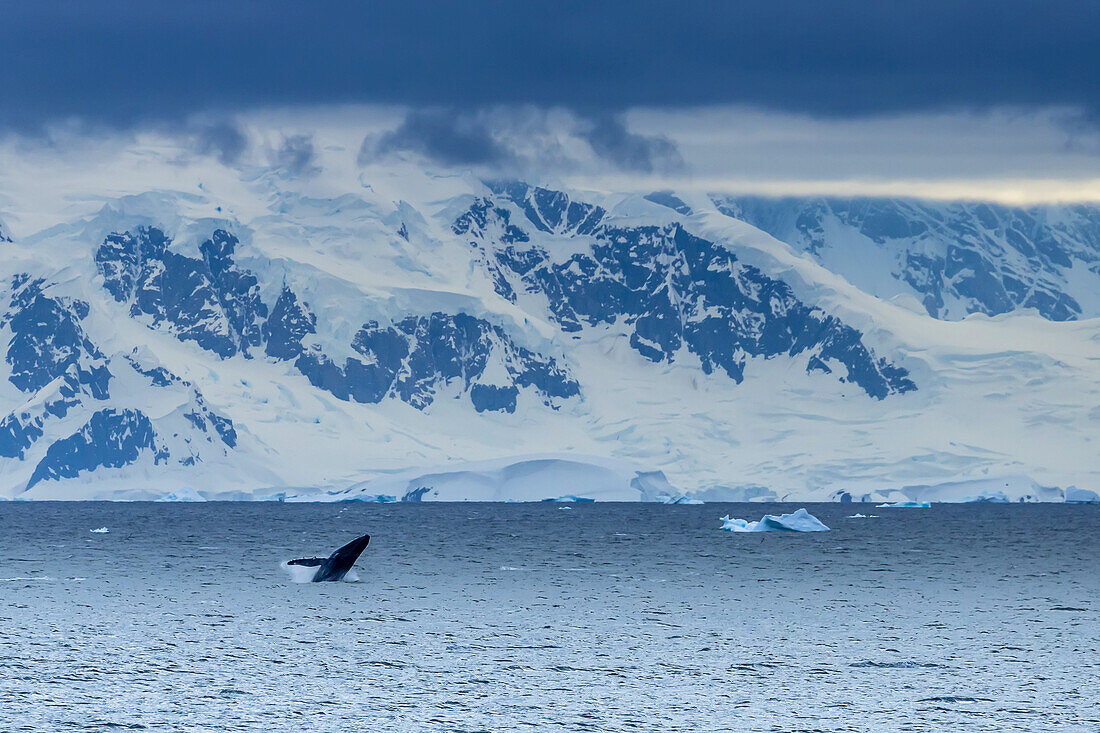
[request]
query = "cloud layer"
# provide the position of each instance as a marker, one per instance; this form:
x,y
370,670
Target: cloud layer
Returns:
x,y
130,61
1008,155
523,141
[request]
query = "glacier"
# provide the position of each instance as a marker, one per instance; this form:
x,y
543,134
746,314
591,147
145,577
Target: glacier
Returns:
x,y
389,330
998,489
562,478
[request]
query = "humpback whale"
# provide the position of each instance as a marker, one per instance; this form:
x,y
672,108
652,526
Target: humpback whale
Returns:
x,y
336,565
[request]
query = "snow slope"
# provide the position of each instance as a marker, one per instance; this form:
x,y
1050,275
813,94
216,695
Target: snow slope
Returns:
x,y
956,258
213,333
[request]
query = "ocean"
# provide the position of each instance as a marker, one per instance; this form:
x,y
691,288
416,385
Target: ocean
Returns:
x,y
570,617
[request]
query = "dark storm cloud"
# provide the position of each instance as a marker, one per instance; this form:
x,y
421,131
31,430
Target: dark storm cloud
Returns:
x,y
221,139
629,151
446,136
125,61
502,137
297,156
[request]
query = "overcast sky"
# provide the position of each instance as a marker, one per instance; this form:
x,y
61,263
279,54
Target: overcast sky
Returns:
x,y
792,91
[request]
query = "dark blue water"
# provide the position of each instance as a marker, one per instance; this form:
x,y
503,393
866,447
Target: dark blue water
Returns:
x,y
600,617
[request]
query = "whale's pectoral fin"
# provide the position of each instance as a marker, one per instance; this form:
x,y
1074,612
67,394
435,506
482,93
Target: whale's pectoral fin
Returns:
x,y
339,563
307,561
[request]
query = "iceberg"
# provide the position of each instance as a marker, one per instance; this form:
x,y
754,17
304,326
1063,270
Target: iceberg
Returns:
x,y
799,521
570,498
677,499
904,505
1075,495
861,516
189,495
101,530
986,497
738,494
370,498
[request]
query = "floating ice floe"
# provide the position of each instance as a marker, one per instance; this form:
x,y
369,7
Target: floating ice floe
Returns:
x,y
861,516
799,521
904,505
101,530
571,498
1075,495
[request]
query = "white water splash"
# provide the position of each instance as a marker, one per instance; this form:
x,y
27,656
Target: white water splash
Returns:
x,y
305,573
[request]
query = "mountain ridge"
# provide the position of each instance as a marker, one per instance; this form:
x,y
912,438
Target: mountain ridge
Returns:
x,y
373,333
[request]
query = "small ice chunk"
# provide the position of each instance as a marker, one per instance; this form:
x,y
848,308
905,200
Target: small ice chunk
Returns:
x,y
101,530
1075,495
859,516
799,521
905,505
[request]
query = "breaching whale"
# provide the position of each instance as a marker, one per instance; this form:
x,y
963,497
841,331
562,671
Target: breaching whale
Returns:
x,y
336,565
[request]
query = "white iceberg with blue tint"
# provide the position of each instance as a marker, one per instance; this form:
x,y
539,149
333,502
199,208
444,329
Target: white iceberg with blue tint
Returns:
x,y
185,495
1075,495
677,499
799,521
986,497
905,505
372,498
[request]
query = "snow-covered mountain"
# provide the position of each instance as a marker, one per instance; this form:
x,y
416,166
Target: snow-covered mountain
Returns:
x,y
426,336
957,258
